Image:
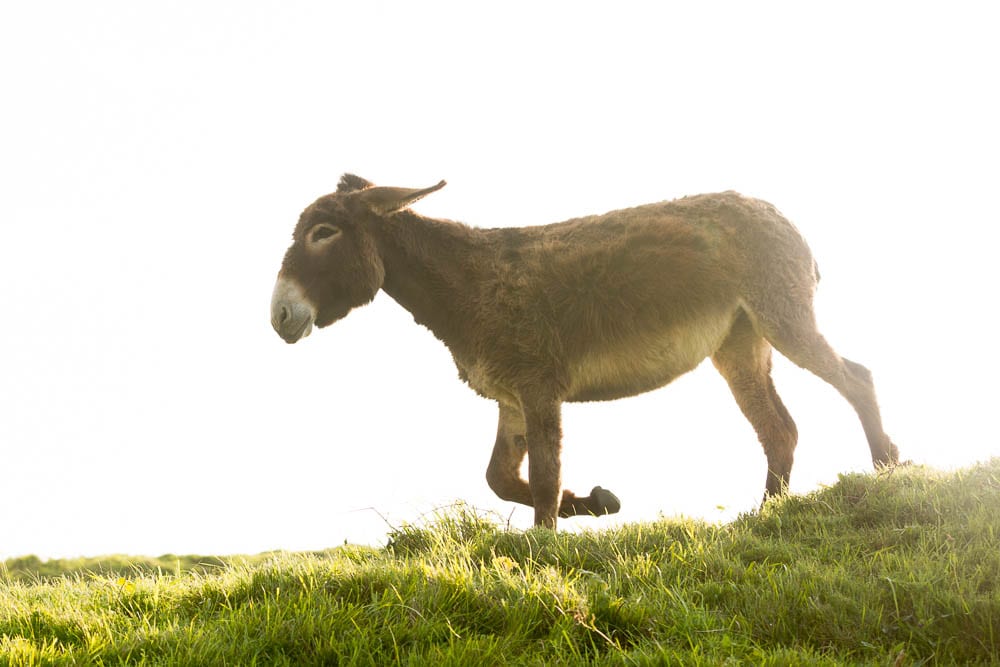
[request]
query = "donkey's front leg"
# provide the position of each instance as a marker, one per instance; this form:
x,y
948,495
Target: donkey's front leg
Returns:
x,y
543,436
504,472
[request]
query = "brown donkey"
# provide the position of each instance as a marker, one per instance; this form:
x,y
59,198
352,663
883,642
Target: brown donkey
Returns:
x,y
589,309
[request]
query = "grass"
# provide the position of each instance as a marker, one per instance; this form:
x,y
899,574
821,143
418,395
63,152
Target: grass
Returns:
x,y
898,569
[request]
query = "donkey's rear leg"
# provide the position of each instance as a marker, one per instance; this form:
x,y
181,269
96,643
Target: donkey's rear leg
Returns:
x,y
744,360
800,341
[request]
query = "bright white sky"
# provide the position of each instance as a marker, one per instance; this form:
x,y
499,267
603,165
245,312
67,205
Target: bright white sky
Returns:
x,y
154,160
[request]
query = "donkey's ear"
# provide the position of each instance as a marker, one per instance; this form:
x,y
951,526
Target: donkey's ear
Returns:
x,y
390,200
352,183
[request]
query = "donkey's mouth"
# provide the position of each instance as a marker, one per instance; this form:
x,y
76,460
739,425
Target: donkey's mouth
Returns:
x,y
295,335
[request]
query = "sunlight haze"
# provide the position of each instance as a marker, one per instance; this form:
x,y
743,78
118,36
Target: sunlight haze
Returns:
x,y
155,160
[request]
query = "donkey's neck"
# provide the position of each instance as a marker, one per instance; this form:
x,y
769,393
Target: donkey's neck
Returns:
x,y
433,269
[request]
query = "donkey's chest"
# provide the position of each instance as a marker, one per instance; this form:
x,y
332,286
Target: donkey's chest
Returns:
x,y
483,377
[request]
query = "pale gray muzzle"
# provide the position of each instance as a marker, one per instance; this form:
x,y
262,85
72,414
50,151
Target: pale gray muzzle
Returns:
x,y
292,315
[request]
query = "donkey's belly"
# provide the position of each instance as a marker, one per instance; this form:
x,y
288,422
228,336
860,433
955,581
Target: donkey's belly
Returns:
x,y
647,360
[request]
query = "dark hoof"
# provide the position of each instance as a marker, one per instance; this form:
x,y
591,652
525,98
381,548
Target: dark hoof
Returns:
x,y
603,502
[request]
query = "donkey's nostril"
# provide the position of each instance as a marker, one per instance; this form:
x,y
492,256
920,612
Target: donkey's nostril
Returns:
x,y
284,315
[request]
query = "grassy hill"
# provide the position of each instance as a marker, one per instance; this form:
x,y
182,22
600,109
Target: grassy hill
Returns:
x,y
897,569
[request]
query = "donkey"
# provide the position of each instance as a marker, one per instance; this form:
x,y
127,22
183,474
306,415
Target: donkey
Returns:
x,y
589,309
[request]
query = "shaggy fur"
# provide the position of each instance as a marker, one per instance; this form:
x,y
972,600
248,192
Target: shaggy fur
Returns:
x,y
594,308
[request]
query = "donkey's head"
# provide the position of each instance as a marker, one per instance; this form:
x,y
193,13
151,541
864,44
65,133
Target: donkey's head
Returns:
x,y
333,264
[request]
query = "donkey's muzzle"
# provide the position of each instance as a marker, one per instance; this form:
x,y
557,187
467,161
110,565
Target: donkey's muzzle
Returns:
x,y
292,316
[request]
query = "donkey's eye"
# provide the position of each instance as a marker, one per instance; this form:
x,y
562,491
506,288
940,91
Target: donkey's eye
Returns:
x,y
323,232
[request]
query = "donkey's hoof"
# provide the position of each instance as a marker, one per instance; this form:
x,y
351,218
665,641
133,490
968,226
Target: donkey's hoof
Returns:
x,y
603,501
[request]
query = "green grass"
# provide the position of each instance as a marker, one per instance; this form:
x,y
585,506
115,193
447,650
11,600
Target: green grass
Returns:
x,y
902,568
